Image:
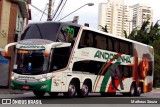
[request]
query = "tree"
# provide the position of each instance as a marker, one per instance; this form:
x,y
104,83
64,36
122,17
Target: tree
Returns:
x,y
104,29
156,46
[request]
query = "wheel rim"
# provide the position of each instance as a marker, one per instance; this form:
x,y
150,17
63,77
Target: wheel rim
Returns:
x,y
132,90
139,90
85,90
72,90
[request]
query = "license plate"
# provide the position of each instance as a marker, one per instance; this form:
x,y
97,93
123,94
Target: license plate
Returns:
x,y
26,87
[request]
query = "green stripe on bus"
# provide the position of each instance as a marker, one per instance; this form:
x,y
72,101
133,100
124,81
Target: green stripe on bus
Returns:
x,y
105,82
33,86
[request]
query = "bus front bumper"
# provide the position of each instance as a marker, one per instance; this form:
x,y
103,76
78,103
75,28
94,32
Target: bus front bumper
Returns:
x,y
39,86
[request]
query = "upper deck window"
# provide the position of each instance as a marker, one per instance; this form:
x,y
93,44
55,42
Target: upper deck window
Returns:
x,y
105,42
57,32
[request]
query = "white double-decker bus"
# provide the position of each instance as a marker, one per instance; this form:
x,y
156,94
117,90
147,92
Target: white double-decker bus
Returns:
x,y
67,58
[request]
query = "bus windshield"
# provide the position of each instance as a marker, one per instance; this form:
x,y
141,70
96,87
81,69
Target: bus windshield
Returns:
x,y
31,62
34,62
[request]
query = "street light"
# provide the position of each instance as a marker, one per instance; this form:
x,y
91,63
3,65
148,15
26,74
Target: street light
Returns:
x,y
89,4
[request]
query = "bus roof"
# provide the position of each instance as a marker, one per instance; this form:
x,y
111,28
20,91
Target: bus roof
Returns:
x,y
68,23
118,37
95,30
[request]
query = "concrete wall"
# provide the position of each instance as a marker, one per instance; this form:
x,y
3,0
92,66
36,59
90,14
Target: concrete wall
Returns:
x,y
5,15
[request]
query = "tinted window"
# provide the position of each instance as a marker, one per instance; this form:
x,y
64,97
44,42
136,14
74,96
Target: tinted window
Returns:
x,y
60,57
41,31
67,33
93,39
126,70
100,41
110,44
88,66
51,31
125,47
87,39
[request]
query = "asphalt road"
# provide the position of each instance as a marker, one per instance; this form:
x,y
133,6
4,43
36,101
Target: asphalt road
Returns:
x,y
93,98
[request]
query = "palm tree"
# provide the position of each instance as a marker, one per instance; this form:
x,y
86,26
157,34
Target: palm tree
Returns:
x,y
104,29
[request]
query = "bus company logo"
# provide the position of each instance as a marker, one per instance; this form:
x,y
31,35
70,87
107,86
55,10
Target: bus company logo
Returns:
x,y
37,41
108,56
84,53
26,77
32,46
25,42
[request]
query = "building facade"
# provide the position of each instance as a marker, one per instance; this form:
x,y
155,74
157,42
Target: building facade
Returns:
x,y
141,13
14,15
116,16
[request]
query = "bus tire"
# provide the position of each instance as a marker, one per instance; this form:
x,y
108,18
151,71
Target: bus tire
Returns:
x,y
53,94
39,94
139,90
72,90
85,90
132,90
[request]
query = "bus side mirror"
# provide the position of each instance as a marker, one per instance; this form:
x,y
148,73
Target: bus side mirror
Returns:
x,y
6,48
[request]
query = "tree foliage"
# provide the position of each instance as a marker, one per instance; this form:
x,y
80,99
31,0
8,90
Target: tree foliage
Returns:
x,y
104,29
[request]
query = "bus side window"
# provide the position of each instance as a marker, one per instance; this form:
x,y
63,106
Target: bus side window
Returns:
x,y
89,39
110,44
86,39
101,42
130,49
116,45
82,40
92,67
127,71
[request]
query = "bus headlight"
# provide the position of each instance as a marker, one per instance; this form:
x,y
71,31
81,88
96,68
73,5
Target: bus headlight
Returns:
x,y
12,78
42,79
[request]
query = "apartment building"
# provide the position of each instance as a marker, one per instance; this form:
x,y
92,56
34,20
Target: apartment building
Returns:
x,y
116,16
141,13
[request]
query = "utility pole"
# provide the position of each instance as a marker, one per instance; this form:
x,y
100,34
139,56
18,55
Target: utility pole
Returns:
x,y
49,10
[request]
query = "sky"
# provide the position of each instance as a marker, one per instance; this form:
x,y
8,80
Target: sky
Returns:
x,y
87,14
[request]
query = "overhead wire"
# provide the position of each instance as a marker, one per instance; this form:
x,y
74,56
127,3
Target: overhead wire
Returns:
x,y
35,7
61,10
44,11
57,9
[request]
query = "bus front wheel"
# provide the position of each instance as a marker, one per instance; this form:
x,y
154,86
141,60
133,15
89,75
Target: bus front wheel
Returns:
x,y
39,93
